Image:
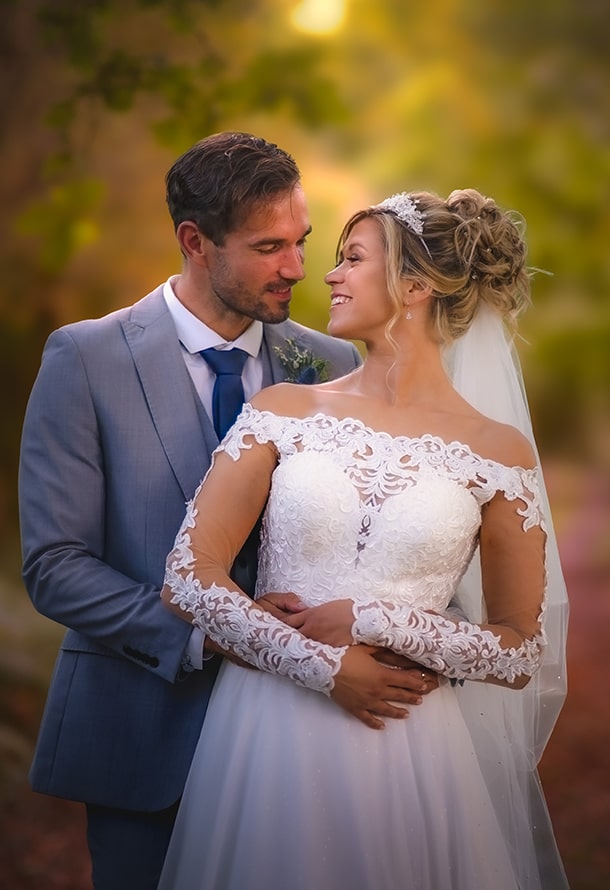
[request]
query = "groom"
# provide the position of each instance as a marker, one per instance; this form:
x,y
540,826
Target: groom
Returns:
x,y
119,430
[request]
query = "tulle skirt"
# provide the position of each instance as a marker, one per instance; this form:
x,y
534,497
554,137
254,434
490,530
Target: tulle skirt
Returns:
x,y
288,792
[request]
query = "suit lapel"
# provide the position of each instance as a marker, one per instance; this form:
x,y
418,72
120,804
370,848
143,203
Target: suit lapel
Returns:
x,y
184,429
186,434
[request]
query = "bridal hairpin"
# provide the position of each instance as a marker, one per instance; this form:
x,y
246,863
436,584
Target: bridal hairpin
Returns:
x,y
405,209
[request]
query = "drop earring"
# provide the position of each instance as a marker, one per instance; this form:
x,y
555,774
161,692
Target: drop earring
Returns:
x,y
408,315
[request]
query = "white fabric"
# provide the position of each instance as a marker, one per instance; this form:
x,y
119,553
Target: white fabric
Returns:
x,y
255,636
194,336
456,648
485,370
288,791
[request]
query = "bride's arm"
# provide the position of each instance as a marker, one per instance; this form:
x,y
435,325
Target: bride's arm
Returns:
x,y
506,649
198,586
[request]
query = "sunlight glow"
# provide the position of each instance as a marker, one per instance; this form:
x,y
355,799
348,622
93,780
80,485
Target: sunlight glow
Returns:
x,y
318,16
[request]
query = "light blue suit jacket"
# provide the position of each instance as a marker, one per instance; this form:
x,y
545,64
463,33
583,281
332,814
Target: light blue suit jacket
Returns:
x,y
115,441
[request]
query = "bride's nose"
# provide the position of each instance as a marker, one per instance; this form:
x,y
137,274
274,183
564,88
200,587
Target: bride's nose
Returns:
x,y
333,274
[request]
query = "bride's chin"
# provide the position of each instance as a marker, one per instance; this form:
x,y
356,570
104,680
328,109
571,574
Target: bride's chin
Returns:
x,y
341,331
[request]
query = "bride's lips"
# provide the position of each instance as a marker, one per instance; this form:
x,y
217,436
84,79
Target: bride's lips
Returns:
x,y
339,300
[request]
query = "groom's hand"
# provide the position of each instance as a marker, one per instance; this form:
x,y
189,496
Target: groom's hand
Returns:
x,y
329,623
282,605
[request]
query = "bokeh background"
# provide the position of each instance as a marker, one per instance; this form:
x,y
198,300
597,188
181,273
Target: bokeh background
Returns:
x,y
97,98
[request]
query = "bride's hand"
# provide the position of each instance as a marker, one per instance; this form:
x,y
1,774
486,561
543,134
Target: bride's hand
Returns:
x,y
330,623
370,690
422,679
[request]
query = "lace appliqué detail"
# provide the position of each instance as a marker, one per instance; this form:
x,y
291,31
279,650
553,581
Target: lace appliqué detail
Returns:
x,y
457,649
232,621
357,513
380,465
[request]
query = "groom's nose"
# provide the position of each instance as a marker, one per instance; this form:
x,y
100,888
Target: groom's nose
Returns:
x,y
292,265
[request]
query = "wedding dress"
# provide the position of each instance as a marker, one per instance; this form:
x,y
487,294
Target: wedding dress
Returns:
x,y
289,792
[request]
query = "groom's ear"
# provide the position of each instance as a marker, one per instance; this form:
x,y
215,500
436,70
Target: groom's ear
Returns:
x,y
192,241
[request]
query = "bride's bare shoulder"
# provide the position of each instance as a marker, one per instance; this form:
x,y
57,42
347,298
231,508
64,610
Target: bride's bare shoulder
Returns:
x,y
286,399
505,444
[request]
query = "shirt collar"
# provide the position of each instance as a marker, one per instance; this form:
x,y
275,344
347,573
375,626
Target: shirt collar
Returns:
x,y
195,335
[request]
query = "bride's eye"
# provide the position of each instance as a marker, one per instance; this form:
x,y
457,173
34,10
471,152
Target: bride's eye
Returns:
x,y
351,258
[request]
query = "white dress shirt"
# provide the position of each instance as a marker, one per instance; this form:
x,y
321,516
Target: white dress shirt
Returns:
x,y
194,336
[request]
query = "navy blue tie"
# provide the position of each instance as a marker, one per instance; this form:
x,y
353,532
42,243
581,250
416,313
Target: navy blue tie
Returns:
x,y
228,394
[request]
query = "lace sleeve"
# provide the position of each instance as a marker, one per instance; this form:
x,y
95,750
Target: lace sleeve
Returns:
x,y
237,625
197,582
509,646
457,649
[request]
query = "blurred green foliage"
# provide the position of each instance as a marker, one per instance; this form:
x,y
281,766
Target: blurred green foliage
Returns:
x,y
63,223
98,97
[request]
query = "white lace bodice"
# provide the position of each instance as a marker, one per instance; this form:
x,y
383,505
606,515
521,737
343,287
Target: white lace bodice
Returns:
x,y
355,513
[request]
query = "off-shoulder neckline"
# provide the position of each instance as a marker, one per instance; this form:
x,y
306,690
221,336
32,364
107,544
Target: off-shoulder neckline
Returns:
x,y
425,437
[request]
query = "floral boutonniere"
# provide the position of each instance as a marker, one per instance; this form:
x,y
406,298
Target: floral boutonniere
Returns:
x,y
301,365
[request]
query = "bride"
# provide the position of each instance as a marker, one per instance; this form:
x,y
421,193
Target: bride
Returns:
x,y
391,496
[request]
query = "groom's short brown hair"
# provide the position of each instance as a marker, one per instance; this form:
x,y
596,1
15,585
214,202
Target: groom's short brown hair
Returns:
x,y
218,181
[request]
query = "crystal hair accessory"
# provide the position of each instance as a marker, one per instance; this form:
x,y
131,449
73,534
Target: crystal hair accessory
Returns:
x,y
405,209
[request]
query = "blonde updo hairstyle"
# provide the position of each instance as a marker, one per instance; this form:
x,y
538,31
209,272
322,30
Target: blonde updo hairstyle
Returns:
x,y
475,254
